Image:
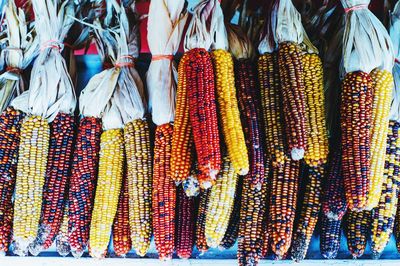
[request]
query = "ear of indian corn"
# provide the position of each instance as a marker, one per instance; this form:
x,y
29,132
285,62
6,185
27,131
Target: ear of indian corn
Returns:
x,y
203,114
201,241
293,96
121,232
330,237
220,203
384,214
10,125
317,139
271,99
229,111
182,139
308,215
382,81
355,122
82,183
282,209
31,171
185,224
110,176
164,193
139,175
62,245
357,230
62,131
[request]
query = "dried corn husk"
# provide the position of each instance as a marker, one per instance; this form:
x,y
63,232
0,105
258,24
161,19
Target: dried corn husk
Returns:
x,y
288,22
163,39
240,45
395,36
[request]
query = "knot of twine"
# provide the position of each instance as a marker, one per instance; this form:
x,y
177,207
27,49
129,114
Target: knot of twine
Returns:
x,y
357,7
14,70
125,61
52,44
162,57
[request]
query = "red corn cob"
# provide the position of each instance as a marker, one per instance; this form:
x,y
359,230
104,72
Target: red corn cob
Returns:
x,y
201,241
121,230
164,193
185,225
203,114
10,124
83,181
62,131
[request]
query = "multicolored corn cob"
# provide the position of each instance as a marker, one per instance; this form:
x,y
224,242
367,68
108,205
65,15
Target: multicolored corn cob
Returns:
x,y
382,81
282,209
62,131
31,172
82,183
62,245
271,99
182,139
111,171
139,175
355,122
293,98
185,224
203,114
201,241
317,138
229,111
10,125
330,237
164,193
121,232
357,230
384,215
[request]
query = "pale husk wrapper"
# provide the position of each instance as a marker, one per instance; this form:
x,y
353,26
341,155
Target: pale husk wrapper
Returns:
x,y
395,36
288,22
239,43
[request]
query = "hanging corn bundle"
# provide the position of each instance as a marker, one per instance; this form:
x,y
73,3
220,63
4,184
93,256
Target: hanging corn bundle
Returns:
x,y
61,240
365,103
163,39
21,48
49,72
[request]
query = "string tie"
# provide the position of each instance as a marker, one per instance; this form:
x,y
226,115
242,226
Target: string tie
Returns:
x,y
125,61
52,44
357,7
14,70
161,57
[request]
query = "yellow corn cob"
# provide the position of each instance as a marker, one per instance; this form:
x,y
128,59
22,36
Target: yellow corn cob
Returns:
x,y
317,140
108,187
220,204
383,83
31,169
229,111
139,173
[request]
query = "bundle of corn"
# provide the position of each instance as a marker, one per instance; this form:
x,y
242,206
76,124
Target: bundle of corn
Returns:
x,y
357,230
21,48
366,46
200,237
62,244
49,72
163,39
185,225
199,78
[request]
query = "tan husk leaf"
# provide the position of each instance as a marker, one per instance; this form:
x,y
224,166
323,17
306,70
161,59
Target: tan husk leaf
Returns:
x,y
395,36
288,22
239,43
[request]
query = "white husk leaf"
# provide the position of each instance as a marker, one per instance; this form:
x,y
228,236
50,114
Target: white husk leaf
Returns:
x,y
395,36
163,39
269,42
51,89
288,25
22,48
366,42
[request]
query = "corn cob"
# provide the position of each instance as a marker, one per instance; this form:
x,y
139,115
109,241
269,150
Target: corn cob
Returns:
x,y
57,176
111,164
229,110
139,171
83,182
201,241
220,203
121,232
355,121
384,215
382,81
271,99
164,194
203,114
185,226
293,96
284,186
330,237
31,171
334,204
182,139
358,226
232,231
317,139
62,245
253,208
10,125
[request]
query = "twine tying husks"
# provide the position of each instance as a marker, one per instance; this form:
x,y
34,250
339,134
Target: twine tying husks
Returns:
x,y
357,7
52,44
125,61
